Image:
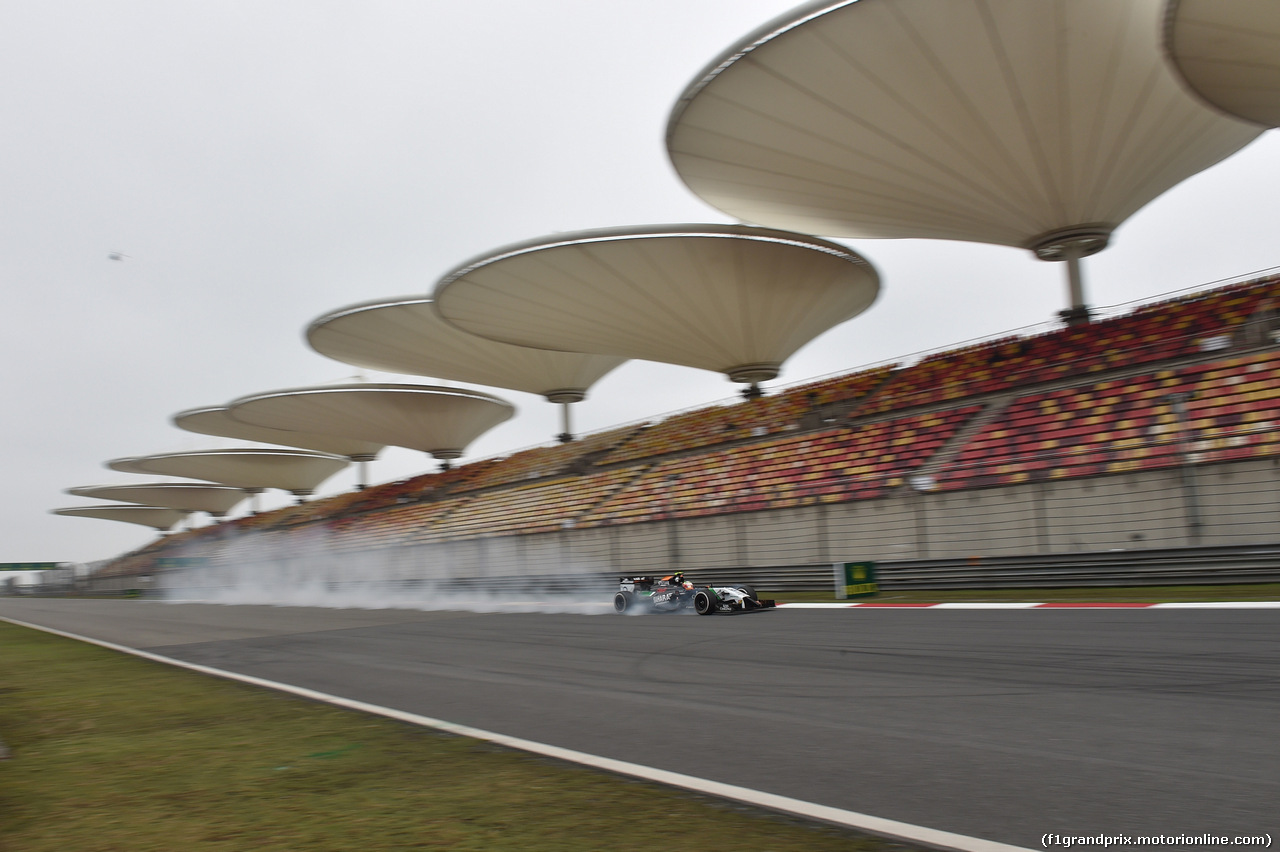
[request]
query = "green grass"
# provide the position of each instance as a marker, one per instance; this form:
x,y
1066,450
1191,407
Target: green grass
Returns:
x,y
1152,594
111,752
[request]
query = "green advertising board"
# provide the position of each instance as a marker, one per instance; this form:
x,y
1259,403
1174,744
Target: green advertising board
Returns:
x,y
170,563
855,579
29,566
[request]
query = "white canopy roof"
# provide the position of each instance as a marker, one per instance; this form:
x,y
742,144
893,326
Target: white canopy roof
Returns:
x,y
436,420
217,500
148,516
215,420
405,335
1228,52
296,471
996,121
733,299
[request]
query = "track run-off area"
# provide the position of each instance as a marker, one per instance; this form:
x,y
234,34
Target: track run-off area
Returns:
x,y
998,724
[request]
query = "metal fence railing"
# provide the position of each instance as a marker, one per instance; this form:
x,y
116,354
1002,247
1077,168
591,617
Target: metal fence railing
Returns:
x,y
1181,566
1184,566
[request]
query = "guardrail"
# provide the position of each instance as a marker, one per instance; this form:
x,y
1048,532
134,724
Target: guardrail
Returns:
x,y
1188,566
1183,566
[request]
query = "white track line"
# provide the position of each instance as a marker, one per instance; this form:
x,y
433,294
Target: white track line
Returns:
x,y
815,605
785,804
1057,605
985,605
1220,605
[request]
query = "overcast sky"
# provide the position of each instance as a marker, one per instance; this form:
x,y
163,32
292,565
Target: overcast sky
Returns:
x,y
262,163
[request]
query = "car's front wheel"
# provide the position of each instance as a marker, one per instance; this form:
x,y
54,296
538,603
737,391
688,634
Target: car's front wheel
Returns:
x,y
704,603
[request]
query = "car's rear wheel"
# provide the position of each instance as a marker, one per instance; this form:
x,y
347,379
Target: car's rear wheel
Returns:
x,y
622,601
704,603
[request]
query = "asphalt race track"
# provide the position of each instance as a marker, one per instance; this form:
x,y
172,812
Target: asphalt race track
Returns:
x,y
998,724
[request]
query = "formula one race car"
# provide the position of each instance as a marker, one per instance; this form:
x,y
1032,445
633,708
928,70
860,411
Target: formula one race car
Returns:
x,y
674,593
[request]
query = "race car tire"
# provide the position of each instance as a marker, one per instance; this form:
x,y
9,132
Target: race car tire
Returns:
x,y
704,603
749,591
622,601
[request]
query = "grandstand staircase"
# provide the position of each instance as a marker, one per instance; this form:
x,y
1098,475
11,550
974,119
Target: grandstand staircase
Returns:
x,y
1261,327
830,414
993,408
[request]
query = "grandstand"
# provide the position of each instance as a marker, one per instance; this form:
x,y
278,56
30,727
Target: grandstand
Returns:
x,y
1155,428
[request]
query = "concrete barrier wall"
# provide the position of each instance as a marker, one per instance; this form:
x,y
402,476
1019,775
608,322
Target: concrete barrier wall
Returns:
x,y
590,551
505,555
466,558
1139,510
711,542
1238,503
642,548
1242,501
544,553
783,536
1219,505
883,529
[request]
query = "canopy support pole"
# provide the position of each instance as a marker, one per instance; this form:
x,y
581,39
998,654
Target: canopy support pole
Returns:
x,y
362,469
566,432
1078,313
1069,245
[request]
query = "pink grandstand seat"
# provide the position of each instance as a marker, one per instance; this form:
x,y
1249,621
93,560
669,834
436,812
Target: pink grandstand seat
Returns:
x,y
833,465
541,462
541,507
424,486
1121,425
1175,328
841,388
770,415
